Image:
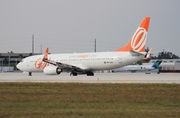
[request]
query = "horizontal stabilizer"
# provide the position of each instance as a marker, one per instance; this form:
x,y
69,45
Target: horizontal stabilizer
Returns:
x,y
134,53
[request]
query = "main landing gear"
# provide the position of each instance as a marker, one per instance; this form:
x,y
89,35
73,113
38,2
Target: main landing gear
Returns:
x,y
88,73
73,74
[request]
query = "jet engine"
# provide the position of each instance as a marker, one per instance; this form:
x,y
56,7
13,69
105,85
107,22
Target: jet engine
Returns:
x,y
52,70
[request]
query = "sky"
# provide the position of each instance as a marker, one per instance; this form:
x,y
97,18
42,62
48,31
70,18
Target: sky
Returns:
x,y
67,26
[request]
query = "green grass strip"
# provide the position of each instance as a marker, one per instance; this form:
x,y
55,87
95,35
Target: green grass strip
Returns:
x,y
61,100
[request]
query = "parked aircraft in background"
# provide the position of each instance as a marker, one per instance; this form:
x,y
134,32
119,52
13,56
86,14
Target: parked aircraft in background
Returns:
x,y
145,68
86,63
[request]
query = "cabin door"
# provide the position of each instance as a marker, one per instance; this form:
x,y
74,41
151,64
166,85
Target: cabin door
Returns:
x,y
120,58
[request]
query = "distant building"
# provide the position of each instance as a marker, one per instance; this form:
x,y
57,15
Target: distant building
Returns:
x,y
6,69
12,58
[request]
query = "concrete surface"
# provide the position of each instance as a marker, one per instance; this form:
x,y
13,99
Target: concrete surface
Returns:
x,y
97,78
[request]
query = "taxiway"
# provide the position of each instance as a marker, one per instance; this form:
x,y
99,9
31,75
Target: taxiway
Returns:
x,y
97,78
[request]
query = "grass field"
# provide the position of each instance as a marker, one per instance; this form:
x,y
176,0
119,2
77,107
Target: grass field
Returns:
x,y
59,100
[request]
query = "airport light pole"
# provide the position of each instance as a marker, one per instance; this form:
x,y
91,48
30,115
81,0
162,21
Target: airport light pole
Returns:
x,y
9,62
30,74
41,49
33,44
16,61
2,61
95,45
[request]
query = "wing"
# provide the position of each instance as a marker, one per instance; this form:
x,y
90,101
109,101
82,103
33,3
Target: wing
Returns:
x,y
68,67
64,66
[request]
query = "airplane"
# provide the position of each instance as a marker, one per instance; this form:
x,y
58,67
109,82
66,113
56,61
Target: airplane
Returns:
x,y
147,68
87,63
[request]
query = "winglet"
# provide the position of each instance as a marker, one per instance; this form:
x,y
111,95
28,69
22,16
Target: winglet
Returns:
x,y
147,56
138,41
46,54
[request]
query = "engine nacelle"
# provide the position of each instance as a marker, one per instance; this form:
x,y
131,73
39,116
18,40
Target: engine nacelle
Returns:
x,y
52,70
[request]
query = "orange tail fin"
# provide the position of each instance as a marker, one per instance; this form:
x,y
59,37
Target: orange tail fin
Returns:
x,y
138,41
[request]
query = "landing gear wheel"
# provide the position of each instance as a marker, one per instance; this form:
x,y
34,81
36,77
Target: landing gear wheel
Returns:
x,y
90,74
73,74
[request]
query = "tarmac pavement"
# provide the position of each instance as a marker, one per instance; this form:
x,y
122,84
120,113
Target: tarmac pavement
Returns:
x,y
97,78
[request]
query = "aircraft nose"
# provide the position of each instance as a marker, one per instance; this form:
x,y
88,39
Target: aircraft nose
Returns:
x,y
18,66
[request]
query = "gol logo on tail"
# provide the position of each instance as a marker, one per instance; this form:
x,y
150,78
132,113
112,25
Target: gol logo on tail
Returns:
x,y
39,64
139,39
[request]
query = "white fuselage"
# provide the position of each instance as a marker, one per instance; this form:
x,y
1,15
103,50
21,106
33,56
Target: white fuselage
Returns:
x,y
85,61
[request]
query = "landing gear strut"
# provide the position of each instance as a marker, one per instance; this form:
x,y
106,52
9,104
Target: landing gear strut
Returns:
x,y
30,73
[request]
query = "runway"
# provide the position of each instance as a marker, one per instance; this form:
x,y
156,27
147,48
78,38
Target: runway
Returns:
x,y
97,78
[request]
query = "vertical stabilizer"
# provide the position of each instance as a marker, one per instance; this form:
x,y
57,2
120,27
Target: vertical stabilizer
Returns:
x,y
138,41
157,64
